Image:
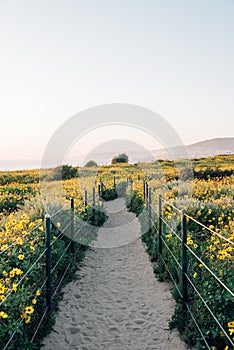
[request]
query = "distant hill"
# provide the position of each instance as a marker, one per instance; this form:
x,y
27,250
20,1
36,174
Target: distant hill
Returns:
x,y
212,147
207,148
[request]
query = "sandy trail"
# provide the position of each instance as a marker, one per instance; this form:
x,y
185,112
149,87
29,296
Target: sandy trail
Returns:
x,y
116,303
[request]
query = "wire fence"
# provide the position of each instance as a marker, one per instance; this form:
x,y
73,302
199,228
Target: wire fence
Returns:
x,y
74,233
175,253
178,251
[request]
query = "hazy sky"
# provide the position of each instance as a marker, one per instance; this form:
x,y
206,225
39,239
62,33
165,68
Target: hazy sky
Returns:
x,y
59,57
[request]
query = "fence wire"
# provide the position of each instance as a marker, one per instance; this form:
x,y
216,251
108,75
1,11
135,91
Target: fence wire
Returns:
x,y
177,232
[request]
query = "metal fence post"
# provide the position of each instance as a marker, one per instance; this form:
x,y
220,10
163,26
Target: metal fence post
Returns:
x,y
160,224
99,191
150,211
94,204
184,258
101,187
85,200
147,196
144,190
131,187
48,263
114,183
72,227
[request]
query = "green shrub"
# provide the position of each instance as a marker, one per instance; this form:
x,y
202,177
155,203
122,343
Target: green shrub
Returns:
x,y
90,164
135,203
94,217
109,194
61,172
121,158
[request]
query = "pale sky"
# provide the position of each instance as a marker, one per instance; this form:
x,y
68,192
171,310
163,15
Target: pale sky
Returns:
x,y
59,57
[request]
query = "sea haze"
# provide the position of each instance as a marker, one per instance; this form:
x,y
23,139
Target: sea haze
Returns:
x,y
136,153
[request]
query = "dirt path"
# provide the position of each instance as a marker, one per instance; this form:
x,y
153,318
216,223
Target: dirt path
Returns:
x,y
116,303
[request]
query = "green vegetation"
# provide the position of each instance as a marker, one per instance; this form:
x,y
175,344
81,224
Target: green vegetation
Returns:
x,y
121,158
109,194
62,172
207,196
91,163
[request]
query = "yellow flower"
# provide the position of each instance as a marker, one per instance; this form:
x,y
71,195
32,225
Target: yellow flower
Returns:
x,y
3,314
58,224
5,274
230,324
195,275
14,287
19,241
2,297
195,246
27,319
31,226
2,289
21,256
201,265
34,301
29,310
38,293
41,228
18,271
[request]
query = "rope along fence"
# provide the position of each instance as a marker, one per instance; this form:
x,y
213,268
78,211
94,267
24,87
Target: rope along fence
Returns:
x,y
74,235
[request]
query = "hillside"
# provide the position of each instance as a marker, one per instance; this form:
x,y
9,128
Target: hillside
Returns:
x,y
207,148
212,147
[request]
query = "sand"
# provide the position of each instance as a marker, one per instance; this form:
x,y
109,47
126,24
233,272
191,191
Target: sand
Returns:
x,y
116,303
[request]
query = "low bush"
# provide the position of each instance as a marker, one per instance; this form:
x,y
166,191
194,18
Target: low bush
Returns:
x,y
135,203
109,194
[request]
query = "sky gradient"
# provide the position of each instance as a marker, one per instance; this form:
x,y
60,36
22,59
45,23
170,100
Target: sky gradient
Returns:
x,y
61,57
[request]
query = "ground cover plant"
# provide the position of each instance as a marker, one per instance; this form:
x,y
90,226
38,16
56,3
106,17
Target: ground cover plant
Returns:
x,y
22,258
207,194
208,197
